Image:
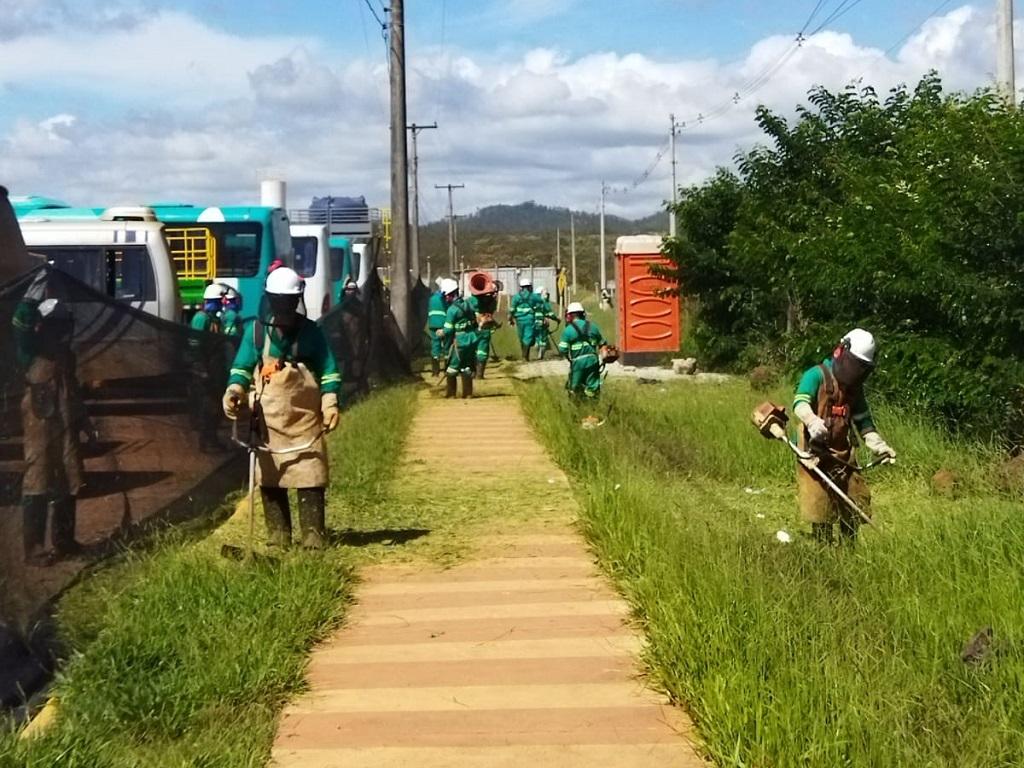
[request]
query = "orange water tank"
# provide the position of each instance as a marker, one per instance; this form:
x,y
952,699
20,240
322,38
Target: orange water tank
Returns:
x,y
648,322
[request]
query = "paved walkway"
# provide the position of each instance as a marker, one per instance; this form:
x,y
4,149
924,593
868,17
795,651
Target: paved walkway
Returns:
x,y
519,656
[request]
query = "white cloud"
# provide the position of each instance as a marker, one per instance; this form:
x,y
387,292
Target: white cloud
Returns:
x,y
203,110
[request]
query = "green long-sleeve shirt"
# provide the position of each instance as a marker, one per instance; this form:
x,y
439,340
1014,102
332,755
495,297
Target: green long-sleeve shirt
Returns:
x,y
306,345
811,383
522,306
580,338
436,310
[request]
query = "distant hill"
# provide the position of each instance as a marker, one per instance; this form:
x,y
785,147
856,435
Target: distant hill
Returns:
x,y
526,234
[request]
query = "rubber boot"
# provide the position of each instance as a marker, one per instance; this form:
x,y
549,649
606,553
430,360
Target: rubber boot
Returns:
x,y
467,385
481,368
311,518
526,352
540,352
33,516
278,516
450,387
822,533
63,533
435,367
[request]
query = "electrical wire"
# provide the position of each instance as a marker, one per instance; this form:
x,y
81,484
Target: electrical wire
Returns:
x,y
841,10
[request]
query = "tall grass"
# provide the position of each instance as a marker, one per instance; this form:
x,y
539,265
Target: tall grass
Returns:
x,y
789,654
179,657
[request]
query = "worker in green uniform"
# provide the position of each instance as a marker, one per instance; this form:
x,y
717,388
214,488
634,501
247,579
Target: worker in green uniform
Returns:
x,y
830,403
285,358
581,343
485,305
207,366
521,315
231,314
542,313
436,311
460,333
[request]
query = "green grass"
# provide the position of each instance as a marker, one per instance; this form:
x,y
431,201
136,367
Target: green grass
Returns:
x,y
180,657
791,655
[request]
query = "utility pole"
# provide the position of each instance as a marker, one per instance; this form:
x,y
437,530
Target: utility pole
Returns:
x,y
604,276
558,247
675,184
572,248
414,250
399,173
451,223
1005,76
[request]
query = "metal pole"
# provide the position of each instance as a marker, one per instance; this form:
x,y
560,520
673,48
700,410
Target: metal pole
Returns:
x,y
572,248
414,243
451,223
558,247
399,173
672,211
1005,75
604,276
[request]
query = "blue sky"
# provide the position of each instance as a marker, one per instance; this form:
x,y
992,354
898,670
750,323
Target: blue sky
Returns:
x,y
122,100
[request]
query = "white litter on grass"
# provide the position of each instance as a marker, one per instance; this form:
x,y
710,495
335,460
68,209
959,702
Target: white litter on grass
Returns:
x,y
753,491
783,536
759,515
551,481
617,486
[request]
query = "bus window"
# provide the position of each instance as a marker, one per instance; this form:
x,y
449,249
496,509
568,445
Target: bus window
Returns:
x,y
123,273
305,255
238,248
338,264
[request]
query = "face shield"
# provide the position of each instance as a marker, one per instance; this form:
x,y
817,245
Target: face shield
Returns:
x,y
282,310
850,371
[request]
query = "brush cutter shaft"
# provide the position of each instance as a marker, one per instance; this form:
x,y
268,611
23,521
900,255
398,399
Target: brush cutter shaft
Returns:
x,y
810,464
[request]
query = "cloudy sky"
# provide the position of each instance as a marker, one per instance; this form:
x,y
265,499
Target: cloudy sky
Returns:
x,y
108,101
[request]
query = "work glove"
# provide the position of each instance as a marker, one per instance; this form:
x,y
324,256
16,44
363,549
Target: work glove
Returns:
x,y
329,408
879,447
817,430
232,401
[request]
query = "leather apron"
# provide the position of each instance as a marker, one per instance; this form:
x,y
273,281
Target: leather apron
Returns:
x,y
289,400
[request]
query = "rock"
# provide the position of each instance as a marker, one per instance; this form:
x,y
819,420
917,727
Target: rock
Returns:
x,y
946,482
684,366
762,378
1011,475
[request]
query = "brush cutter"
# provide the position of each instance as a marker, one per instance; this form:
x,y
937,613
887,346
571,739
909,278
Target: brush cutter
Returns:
x,y
771,419
253,447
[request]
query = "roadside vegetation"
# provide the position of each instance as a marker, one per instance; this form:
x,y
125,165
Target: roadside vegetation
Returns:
x,y
790,654
898,212
180,657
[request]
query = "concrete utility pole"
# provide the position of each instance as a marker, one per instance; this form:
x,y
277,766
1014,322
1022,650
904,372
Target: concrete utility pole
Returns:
x,y
604,276
572,248
451,223
558,247
675,184
1005,75
414,251
399,173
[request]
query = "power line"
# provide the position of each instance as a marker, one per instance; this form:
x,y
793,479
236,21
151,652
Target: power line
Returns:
x,y
810,18
373,10
841,10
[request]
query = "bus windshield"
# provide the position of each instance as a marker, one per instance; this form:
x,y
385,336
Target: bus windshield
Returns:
x,y
305,255
238,247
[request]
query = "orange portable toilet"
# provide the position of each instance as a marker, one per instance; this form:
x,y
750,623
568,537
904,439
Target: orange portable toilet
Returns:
x,y
648,322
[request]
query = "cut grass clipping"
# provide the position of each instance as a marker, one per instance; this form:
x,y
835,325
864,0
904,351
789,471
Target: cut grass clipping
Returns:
x,y
790,654
182,658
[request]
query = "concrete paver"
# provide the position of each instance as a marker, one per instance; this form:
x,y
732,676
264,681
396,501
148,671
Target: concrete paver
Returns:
x,y
521,655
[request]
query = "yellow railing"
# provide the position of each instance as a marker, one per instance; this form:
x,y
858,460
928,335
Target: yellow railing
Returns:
x,y
194,251
385,222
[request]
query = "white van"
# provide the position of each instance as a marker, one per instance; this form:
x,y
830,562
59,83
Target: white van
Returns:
x,y
311,243
122,254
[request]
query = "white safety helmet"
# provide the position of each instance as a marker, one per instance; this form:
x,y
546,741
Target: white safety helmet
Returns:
x,y
861,345
525,282
575,308
284,281
214,291
449,286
